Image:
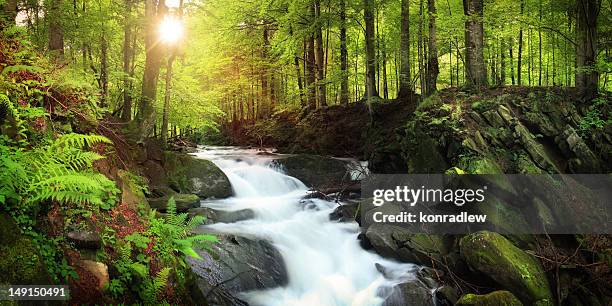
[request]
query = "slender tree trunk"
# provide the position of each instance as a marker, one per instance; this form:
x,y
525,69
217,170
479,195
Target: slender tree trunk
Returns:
x,y
103,70
432,63
56,33
265,103
502,59
587,77
319,56
405,87
153,56
128,49
344,94
540,45
296,63
384,69
420,54
519,70
511,53
167,95
311,73
370,37
474,35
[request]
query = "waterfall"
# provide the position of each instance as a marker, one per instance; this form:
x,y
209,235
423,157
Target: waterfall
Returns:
x,y
324,260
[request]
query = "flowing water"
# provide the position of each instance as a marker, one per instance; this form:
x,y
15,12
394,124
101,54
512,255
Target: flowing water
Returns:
x,y
325,263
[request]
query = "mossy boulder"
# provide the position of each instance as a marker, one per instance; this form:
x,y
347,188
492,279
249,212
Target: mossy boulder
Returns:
x,y
513,269
191,175
421,152
21,262
132,193
495,298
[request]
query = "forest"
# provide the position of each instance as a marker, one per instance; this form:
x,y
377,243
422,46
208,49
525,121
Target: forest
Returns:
x,y
135,137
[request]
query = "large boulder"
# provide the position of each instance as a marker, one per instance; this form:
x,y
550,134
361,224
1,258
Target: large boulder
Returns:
x,y
239,264
400,243
314,170
513,269
188,174
495,298
21,262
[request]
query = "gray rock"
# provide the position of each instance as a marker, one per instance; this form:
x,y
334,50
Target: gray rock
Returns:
x,y
237,265
314,170
220,216
85,236
188,174
345,212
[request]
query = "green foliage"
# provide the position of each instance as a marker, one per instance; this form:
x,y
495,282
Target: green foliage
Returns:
x,y
595,119
59,171
166,238
174,232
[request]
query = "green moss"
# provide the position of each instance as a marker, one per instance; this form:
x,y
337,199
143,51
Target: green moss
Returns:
x,y
430,102
20,262
495,298
515,270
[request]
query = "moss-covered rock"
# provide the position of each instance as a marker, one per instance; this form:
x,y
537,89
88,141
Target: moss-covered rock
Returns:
x,y
492,254
132,193
495,298
190,175
21,262
421,152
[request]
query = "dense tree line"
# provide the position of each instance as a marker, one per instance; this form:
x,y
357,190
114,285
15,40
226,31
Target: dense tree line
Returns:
x,y
252,58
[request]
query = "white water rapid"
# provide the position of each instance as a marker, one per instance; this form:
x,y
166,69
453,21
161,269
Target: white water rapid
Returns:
x,y
326,265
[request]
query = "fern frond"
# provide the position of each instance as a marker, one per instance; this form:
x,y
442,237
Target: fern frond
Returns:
x,y
74,140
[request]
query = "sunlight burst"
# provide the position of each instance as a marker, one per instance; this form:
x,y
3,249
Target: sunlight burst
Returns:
x,y
171,30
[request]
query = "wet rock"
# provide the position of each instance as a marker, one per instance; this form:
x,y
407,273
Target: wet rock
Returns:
x,y
314,170
446,295
495,298
345,212
183,202
240,264
98,269
399,243
84,236
187,174
412,292
220,216
492,254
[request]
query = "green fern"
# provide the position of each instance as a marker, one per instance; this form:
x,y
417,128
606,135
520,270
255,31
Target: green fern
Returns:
x,y
175,232
61,171
154,287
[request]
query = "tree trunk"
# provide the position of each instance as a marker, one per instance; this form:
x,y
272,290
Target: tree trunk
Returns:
x,y
474,34
502,59
519,58
540,45
384,69
432,59
265,97
319,56
56,33
311,73
368,9
167,94
510,52
420,50
153,56
587,77
103,70
405,88
343,56
128,50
